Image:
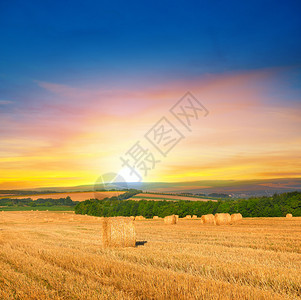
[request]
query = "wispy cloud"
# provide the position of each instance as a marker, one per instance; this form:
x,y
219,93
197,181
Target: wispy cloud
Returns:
x,y
84,131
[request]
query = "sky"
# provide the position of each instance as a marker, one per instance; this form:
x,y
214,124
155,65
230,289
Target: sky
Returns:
x,y
83,82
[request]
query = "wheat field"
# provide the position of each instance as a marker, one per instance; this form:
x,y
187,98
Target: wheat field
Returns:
x,y
54,255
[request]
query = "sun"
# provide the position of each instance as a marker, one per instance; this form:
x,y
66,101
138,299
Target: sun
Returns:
x,y
125,173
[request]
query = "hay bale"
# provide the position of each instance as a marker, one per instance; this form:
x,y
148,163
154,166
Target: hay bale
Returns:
x,y
170,220
222,219
289,215
139,218
194,217
155,217
118,232
177,217
208,219
132,218
188,217
236,217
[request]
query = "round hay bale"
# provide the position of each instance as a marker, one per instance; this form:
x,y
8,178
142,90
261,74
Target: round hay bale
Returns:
x,y
139,218
132,217
155,217
289,215
170,220
222,219
188,217
194,217
118,232
177,217
236,217
208,219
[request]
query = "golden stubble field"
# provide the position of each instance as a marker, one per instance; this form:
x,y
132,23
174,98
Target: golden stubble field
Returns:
x,y
75,196
168,197
51,255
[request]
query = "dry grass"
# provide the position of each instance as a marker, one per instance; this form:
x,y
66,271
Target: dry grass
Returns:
x,y
256,258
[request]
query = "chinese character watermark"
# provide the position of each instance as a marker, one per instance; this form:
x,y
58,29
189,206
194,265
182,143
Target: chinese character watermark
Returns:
x,y
164,136
188,109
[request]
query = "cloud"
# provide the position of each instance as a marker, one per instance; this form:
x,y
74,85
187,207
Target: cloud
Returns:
x,y
69,129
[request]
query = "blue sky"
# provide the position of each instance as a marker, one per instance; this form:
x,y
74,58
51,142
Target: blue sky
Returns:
x,y
78,41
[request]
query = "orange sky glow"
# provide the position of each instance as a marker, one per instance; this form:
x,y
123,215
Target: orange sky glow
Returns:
x,y
252,131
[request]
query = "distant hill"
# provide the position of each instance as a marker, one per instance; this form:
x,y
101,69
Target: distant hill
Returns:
x,y
235,188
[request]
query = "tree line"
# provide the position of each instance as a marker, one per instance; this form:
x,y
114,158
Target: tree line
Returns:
x,y
48,202
39,202
276,206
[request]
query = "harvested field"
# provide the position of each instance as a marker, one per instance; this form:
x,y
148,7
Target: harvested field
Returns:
x,y
257,258
145,196
75,196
